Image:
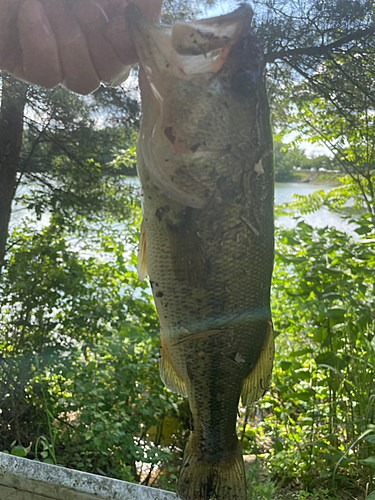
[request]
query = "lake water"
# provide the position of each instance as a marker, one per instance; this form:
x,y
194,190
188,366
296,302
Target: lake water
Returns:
x,y
283,193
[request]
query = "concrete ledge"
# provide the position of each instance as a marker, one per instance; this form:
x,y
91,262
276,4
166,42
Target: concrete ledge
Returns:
x,y
22,479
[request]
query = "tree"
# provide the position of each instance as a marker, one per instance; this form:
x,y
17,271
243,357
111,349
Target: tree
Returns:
x,y
289,158
321,72
302,34
344,121
13,101
50,140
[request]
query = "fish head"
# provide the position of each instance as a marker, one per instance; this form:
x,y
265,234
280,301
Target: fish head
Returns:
x,y
196,79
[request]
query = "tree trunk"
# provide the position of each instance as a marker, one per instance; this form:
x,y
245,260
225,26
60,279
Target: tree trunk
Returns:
x,y
13,99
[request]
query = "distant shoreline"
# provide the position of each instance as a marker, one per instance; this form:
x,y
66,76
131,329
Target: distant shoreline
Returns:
x,y
313,178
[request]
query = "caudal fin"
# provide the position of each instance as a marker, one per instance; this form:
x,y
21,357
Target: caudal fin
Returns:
x,y
223,479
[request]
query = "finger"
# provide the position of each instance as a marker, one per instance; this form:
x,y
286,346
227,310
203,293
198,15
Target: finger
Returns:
x,y
94,21
119,36
39,49
10,50
78,71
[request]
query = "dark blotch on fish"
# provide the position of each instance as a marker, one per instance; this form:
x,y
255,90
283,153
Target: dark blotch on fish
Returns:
x,y
162,211
168,131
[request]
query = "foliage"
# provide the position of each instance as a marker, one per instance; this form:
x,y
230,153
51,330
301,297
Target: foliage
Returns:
x,y
68,161
321,79
300,35
289,159
335,106
66,151
258,489
106,398
345,199
319,415
79,377
79,383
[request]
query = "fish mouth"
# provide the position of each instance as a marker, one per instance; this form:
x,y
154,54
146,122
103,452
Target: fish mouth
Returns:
x,y
187,49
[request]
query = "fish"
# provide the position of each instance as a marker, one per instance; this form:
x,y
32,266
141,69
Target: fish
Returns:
x,y
205,162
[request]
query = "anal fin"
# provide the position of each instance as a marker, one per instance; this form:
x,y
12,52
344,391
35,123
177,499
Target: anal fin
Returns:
x,y
142,254
257,382
169,375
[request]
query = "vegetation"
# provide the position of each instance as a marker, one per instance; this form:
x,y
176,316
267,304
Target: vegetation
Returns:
x,y
62,153
79,368
317,424
292,164
79,378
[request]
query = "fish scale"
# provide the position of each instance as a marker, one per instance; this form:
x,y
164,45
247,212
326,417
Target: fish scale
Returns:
x,y
206,168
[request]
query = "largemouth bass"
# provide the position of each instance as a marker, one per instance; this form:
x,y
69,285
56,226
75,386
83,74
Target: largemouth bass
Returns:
x,y
205,163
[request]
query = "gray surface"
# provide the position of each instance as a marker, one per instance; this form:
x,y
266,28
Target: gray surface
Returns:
x,y
22,479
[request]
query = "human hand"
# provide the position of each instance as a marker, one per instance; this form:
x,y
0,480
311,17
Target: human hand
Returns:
x,y
76,43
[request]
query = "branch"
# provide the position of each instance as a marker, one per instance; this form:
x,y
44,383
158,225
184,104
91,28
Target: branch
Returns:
x,y
318,50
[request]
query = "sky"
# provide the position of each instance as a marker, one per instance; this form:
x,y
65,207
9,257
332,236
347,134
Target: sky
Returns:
x,y
220,9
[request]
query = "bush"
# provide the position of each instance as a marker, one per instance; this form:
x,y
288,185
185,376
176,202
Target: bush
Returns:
x,y
319,416
79,375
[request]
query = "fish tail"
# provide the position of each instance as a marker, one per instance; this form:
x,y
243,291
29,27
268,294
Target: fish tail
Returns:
x,y
223,479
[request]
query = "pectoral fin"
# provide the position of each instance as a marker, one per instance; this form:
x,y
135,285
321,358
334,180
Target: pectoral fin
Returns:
x,y
257,382
142,254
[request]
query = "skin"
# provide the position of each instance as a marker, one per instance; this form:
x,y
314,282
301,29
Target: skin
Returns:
x,y
75,43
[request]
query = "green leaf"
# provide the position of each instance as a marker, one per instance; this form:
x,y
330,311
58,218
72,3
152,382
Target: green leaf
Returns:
x,y
285,365
370,461
336,313
363,230
90,366
302,352
49,461
325,473
320,335
18,451
98,441
278,446
370,438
